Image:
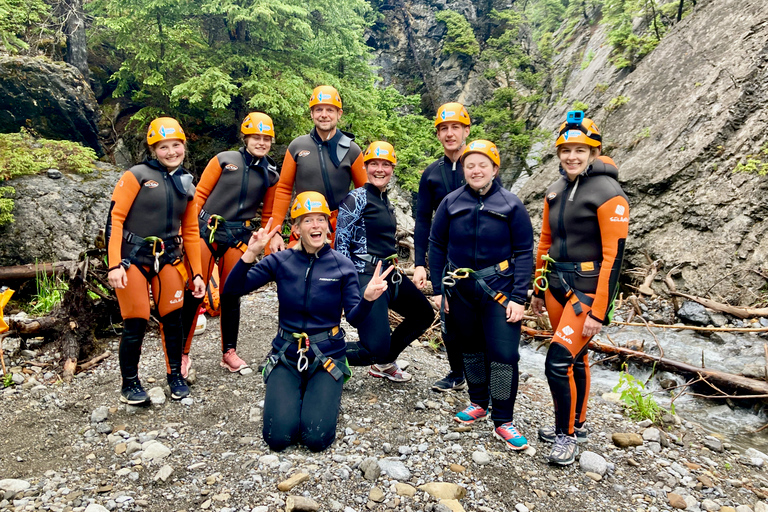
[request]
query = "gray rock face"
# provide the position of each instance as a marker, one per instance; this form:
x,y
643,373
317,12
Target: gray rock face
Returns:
x,y
677,141
56,219
52,98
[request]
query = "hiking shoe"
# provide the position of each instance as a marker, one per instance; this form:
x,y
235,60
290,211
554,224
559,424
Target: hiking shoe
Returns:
x,y
178,385
389,371
186,364
202,322
452,381
132,393
232,362
511,437
548,434
565,450
471,414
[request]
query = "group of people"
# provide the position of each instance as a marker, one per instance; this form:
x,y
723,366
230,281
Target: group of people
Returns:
x,y
166,235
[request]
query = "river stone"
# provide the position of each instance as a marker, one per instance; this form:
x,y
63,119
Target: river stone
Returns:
x,y
751,452
626,439
521,508
405,490
452,505
710,505
676,501
157,395
694,313
370,468
300,503
95,507
13,486
743,508
376,495
480,457
164,473
760,506
395,469
652,435
100,414
298,478
591,462
155,451
444,490
713,444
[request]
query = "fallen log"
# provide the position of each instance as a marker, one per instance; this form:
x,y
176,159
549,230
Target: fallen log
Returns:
x,y
694,327
32,270
653,269
736,311
93,362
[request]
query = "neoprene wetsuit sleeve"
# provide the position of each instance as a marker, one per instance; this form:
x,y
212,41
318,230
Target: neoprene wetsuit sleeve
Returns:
x,y
522,250
423,221
359,176
208,181
438,246
190,233
278,207
613,218
245,278
123,196
545,242
355,306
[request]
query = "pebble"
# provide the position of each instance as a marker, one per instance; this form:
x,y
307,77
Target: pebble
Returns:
x,y
594,476
188,401
449,506
591,462
13,486
743,508
626,439
155,451
444,490
163,474
457,468
95,507
652,435
521,508
370,468
297,479
676,501
405,490
481,458
99,414
246,371
376,495
713,444
157,395
395,469
710,505
300,503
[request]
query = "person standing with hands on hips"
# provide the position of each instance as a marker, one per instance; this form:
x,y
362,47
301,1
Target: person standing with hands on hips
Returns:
x,y
151,204
584,229
307,367
480,257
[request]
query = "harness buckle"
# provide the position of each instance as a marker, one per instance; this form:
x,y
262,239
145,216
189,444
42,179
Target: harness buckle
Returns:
x,y
397,277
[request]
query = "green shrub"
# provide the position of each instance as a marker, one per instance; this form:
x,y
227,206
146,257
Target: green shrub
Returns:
x,y
587,59
6,205
460,37
616,102
21,154
579,105
50,290
601,88
638,404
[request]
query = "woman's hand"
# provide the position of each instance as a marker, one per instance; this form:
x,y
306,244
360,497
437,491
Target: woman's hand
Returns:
x,y
419,277
514,312
276,244
117,278
440,300
537,305
591,327
378,284
198,290
258,241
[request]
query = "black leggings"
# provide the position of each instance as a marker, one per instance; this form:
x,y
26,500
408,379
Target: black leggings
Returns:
x,y
490,347
301,408
377,344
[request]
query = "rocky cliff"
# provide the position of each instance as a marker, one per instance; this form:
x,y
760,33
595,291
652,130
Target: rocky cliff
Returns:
x,y
689,131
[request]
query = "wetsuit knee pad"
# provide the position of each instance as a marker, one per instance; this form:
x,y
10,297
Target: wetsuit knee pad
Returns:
x,y
502,380
559,361
474,367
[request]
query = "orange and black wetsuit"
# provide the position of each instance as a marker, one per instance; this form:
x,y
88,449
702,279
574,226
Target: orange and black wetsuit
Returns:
x,y
312,164
228,197
150,206
584,229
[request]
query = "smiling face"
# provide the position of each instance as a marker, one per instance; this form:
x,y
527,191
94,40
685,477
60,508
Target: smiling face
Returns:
x,y
575,158
479,171
379,172
313,231
258,145
169,152
452,135
325,117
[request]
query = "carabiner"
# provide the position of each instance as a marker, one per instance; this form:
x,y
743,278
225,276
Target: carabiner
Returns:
x,y
154,241
303,362
544,270
397,277
216,219
452,275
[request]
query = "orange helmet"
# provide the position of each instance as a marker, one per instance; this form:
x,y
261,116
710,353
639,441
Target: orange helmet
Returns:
x,y
484,147
257,123
577,129
325,95
452,112
164,128
381,150
309,202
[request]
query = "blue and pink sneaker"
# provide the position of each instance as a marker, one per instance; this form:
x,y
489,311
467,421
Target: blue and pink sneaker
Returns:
x,y
511,437
471,414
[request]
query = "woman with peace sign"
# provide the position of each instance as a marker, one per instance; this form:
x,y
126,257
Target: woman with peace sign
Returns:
x,y
307,367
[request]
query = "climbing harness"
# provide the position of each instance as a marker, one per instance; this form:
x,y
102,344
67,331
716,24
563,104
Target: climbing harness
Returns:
x,y
458,273
307,342
214,223
303,362
159,252
397,275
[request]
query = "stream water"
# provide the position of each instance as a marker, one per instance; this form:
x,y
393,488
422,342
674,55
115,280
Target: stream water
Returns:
x,y
728,352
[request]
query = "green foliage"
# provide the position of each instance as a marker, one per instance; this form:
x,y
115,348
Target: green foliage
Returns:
x,y
579,105
752,166
6,205
20,22
459,38
628,47
21,153
601,88
638,404
50,290
587,59
617,102
644,133
8,380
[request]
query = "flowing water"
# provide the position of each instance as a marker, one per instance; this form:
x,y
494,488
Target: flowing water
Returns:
x,y
728,352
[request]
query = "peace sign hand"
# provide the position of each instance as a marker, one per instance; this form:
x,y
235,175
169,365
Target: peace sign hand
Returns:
x,y
259,240
378,284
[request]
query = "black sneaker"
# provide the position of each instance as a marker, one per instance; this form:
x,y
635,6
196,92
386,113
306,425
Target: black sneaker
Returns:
x,y
178,385
452,381
133,394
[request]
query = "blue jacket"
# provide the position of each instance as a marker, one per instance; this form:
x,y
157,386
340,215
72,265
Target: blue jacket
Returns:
x,y
311,291
475,231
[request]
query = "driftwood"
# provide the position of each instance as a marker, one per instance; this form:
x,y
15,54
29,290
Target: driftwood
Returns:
x,y
645,288
694,327
93,362
737,311
32,270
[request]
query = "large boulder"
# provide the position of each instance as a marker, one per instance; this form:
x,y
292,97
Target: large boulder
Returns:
x,y
51,98
56,219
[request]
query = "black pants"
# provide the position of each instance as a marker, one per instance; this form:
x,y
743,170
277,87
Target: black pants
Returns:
x,y
490,346
377,344
301,408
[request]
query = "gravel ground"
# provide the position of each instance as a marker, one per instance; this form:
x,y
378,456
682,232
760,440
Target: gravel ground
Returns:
x,y
76,448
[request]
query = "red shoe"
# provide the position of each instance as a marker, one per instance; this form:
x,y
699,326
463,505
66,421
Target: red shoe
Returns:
x,y
390,371
232,362
471,414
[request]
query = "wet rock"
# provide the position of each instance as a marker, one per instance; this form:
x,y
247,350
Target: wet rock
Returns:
x,y
713,444
370,468
444,490
395,469
626,439
676,501
694,313
300,504
591,462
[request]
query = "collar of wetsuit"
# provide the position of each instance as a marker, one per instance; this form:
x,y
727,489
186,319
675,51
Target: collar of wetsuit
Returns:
x,y
376,191
324,249
175,175
331,143
494,187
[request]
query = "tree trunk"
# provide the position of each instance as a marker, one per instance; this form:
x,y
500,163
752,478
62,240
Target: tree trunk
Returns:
x,y
32,270
77,44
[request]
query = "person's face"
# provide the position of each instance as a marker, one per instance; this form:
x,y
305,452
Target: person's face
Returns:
x,y
170,152
575,158
479,172
325,117
313,231
258,145
452,135
379,172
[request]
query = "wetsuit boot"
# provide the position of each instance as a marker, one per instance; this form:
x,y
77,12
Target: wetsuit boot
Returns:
x,y
131,391
173,339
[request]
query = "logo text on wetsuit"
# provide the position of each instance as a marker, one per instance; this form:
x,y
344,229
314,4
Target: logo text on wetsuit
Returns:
x,y
231,167
151,184
330,279
178,297
620,211
303,153
552,196
567,331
